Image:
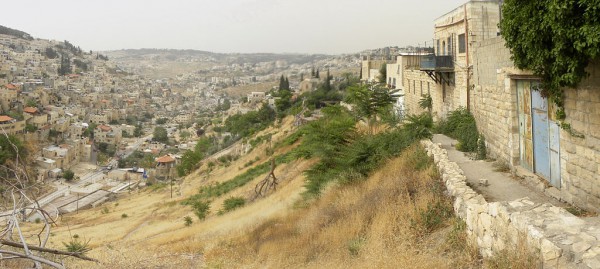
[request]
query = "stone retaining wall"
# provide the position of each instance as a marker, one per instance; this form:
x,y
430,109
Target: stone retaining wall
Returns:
x,y
562,239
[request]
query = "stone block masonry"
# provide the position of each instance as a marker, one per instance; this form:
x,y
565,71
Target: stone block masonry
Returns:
x,y
561,239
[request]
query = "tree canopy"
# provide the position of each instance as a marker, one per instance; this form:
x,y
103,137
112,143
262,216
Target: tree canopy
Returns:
x,y
160,134
555,39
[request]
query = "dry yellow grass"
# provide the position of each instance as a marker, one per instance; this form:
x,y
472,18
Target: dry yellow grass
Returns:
x,y
364,225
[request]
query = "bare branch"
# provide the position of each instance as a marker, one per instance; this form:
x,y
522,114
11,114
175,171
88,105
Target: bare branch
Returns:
x,y
33,258
49,250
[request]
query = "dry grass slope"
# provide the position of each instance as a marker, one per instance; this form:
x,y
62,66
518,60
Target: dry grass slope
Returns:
x,y
373,224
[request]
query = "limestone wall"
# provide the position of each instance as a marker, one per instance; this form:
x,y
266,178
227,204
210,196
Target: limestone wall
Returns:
x,y
493,100
561,239
494,106
580,156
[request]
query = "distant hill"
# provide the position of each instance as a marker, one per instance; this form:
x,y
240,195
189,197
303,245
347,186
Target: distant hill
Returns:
x,y
225,58
16,33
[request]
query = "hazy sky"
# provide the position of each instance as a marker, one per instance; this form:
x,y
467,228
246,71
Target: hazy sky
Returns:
x,y
304,26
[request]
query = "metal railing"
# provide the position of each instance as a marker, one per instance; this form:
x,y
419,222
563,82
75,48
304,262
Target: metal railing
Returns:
x,y
437,63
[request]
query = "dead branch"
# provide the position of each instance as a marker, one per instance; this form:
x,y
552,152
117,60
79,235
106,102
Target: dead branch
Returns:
x,y
33,258
270,182
48,250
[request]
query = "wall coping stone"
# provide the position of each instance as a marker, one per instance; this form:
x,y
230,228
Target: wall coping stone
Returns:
x,y
562,239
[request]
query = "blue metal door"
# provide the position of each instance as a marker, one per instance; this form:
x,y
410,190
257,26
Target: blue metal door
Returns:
x,y
541,134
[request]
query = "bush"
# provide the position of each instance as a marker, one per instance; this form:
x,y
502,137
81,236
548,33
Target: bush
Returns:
x,y
68,175
76,246
461,126
419,126
188,221
124,215
201,208
233,203
432,218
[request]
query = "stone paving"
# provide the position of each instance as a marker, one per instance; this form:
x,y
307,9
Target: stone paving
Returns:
x,y
562,239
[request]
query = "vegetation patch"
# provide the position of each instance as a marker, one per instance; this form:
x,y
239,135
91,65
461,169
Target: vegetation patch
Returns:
x,y
232,203
517,256
460,125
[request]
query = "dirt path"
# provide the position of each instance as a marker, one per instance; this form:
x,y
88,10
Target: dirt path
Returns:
x,y
501,187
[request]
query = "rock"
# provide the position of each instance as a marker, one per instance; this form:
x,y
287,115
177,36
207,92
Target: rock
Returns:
x,y
549,250
483,182
580,247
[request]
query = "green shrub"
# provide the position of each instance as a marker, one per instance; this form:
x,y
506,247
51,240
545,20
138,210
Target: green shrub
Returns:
x,y
233,203
201,208
188,221
432,218
355,244
419,126
461,126
76,246
124,215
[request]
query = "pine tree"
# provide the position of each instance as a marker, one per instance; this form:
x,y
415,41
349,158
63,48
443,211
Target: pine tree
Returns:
x,y
287,84
327,85
281,83
317,73
312,72
301,77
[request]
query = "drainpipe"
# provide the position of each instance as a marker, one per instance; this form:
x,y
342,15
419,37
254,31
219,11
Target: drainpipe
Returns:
x,y
467,58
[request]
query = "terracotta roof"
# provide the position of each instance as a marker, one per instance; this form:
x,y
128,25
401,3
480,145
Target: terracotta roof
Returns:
x,y
30,110
10,86
165,159
5,118
105,128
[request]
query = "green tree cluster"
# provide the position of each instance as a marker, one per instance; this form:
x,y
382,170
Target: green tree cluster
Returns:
x,y
284,83
160,134
65,65
51,53
243,125
68,175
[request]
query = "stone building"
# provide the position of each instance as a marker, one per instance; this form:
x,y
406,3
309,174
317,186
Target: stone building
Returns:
x,y
472,68
370,67
108,134
521,128
451,66
165,168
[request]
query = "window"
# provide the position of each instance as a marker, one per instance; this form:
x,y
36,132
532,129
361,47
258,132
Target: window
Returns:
x,y
461,43
450,52
439,49
443,48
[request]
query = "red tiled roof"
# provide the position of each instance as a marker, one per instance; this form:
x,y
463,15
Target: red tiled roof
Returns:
x,y
30,110
165,159
105,128
5,118
10,86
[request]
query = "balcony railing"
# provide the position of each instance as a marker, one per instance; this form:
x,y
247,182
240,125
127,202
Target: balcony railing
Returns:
x,y
433,62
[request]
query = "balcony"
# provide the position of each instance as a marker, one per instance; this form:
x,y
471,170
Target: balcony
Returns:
x,y
432,62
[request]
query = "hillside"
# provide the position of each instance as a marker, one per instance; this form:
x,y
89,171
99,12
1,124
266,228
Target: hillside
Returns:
x,y
382,221
16,33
